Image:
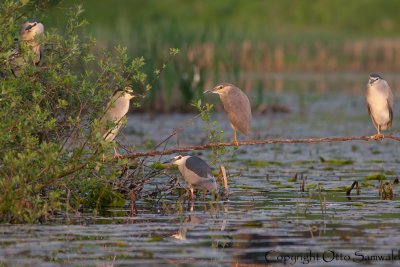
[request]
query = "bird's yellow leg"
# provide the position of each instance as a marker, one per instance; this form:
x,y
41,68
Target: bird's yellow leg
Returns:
x,y
192,194
191,199
378,136
234,138
117,155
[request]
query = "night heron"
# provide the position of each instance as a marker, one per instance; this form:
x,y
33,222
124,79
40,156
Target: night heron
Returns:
x,y
237,107
112,120
379,98
196,172
30,31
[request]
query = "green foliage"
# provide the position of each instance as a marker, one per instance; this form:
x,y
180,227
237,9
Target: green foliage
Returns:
x,y
50,145
158,166
232,41
215,134
377,176
278,16
336,161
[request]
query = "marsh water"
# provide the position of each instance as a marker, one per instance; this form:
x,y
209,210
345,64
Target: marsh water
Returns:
x,y
286,203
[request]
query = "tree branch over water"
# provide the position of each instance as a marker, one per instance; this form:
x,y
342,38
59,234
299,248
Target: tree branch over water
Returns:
x,y
254,142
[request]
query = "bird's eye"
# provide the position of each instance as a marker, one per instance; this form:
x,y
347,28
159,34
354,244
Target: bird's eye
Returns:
x,y
34,24
220,87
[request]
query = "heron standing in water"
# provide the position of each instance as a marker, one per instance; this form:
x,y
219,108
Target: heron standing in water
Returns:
x,y
196,172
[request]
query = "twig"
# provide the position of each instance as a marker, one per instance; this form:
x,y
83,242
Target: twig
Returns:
x,y
226,144
253,142
354,185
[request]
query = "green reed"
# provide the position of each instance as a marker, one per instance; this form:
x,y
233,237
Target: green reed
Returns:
x,y
230,41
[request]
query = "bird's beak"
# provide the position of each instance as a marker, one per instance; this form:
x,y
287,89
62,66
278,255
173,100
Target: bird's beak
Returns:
x,y
207,91
29,27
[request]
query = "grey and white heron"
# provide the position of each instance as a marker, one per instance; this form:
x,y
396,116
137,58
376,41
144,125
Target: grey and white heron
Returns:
x,y
379,98
196,172
237,107
112,120
30,31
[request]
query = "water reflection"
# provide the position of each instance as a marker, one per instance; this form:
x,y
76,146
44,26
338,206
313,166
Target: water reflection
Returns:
x,y
267,208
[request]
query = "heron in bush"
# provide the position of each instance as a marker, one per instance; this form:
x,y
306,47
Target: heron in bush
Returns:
x,y
112,120
196,172
379,98
30,31
237,107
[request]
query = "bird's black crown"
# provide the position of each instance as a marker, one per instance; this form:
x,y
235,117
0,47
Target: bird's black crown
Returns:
x,y
375,75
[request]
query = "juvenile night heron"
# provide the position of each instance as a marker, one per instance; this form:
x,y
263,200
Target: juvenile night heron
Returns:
x,y
379,98
30,31
112,120
237,107
196,172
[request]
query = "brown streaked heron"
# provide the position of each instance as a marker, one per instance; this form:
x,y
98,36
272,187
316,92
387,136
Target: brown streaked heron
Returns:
x,y
379,98
237,107
30,31
196,172
116,110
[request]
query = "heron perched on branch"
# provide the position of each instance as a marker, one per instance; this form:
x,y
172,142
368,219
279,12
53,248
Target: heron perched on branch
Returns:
x,y
112,120
31,30
379,98
237,107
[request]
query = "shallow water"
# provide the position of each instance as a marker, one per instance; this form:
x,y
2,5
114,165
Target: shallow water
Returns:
x,y
266,211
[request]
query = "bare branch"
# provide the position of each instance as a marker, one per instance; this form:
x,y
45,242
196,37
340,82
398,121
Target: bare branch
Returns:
x,y
254,142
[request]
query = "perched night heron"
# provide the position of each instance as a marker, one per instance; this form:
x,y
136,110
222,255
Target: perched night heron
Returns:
x,y
112,120
237,107
30,31
196,172
379,98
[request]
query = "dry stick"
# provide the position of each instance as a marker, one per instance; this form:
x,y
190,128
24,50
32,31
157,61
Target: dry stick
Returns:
x,y
243,143
254,142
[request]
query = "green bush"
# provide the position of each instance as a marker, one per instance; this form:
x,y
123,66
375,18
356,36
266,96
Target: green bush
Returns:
x,y
45,107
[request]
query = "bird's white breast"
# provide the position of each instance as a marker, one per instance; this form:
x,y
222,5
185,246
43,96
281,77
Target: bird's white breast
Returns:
x,y
207,183
189,176
378,101
116,110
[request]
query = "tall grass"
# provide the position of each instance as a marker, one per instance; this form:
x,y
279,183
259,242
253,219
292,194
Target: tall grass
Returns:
x,y
242,42
250,63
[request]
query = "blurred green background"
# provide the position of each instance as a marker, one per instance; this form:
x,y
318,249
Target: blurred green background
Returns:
x,y
247,43
255,18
